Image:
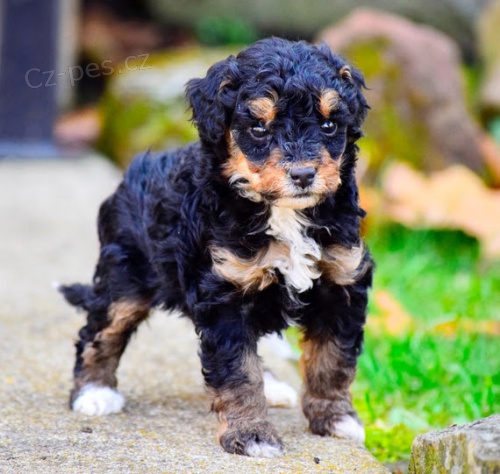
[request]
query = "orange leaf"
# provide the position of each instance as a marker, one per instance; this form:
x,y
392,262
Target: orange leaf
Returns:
x,y
454,198
392,318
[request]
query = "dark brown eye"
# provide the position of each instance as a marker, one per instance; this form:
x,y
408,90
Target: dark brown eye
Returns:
x,y
259,131
329,128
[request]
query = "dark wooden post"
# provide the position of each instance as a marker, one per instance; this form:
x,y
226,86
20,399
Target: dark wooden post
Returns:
x,y
28,76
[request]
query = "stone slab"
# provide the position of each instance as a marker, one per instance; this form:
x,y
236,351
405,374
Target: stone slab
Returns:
x,y
469,449
47,212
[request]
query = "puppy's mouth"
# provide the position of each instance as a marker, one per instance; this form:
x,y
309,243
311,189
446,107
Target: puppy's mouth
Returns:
x,y
298,200
297,195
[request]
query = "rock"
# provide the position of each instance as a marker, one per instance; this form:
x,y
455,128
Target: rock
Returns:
x,y
144,106
472,448
415,91
488,34
300,18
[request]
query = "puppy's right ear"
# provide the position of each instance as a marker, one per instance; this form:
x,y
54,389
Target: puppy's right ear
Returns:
x,y
212,100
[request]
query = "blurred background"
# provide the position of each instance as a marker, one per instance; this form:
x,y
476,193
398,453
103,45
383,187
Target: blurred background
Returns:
x,y
109,75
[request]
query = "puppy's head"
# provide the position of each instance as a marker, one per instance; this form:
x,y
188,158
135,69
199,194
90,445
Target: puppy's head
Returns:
x,y
282,116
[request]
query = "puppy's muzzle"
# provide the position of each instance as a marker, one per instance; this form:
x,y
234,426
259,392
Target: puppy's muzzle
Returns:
x,y
303,177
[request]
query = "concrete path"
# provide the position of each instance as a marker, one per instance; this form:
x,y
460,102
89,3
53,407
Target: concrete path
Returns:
x,y
47,233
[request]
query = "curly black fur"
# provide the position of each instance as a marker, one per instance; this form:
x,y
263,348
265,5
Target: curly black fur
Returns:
x,y
157,230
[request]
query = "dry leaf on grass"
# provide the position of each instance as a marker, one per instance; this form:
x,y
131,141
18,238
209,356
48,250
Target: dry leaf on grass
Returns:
x,y
391,317
454,198
452,328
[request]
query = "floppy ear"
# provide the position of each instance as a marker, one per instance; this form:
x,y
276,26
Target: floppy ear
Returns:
x,y
212,100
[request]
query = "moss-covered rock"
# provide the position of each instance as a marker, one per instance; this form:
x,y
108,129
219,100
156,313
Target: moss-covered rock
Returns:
x,y
144,106
413,73
488,33
472,448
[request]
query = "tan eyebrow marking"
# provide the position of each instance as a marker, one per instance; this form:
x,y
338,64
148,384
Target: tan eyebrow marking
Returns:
x,y
264,108
328,102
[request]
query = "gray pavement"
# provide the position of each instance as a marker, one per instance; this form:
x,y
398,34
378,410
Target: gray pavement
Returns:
x,y
47,233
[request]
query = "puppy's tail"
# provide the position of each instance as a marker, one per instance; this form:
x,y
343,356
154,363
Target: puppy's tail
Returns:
x,y
81,296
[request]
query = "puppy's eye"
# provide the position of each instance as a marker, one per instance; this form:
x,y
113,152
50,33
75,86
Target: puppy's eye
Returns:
x,y
259,131
329,128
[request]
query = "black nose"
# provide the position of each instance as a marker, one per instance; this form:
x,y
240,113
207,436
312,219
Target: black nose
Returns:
x,y
303,177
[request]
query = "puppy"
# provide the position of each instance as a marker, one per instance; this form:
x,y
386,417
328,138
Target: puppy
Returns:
x,y
250,230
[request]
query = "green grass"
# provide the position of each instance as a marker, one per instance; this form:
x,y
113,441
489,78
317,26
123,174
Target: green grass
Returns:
x,y
423,379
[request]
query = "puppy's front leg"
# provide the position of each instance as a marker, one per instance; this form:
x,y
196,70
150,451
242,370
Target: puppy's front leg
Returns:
x,y
328,371
233,374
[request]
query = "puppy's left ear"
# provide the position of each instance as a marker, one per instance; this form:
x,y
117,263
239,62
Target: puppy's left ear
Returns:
x,y
212,100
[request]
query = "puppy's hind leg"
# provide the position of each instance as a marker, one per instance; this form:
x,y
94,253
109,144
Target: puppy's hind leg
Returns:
x,y
101,343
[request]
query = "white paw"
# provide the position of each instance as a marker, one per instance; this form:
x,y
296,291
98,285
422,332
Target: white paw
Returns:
x,y
349,427
278,394
279,346
263,450
98,401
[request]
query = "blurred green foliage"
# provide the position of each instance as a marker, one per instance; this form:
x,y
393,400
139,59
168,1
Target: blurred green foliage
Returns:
x,y
135,125
218,31
145,108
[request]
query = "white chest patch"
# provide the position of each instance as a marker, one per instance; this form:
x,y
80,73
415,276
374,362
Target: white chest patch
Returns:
x,y
299,267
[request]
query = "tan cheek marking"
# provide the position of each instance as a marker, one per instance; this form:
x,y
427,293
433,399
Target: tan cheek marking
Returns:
x,y
271,177
328,102
274,177
238,165
328,173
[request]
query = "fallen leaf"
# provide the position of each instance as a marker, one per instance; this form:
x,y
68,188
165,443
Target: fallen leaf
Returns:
x,y
455,198
457,326
391,317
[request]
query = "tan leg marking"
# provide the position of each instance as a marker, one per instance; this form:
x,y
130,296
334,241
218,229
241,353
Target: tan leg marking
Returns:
x,y
326,400
241,410
102,355
243,402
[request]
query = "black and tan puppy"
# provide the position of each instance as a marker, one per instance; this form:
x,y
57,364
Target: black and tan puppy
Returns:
x,y
251,229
